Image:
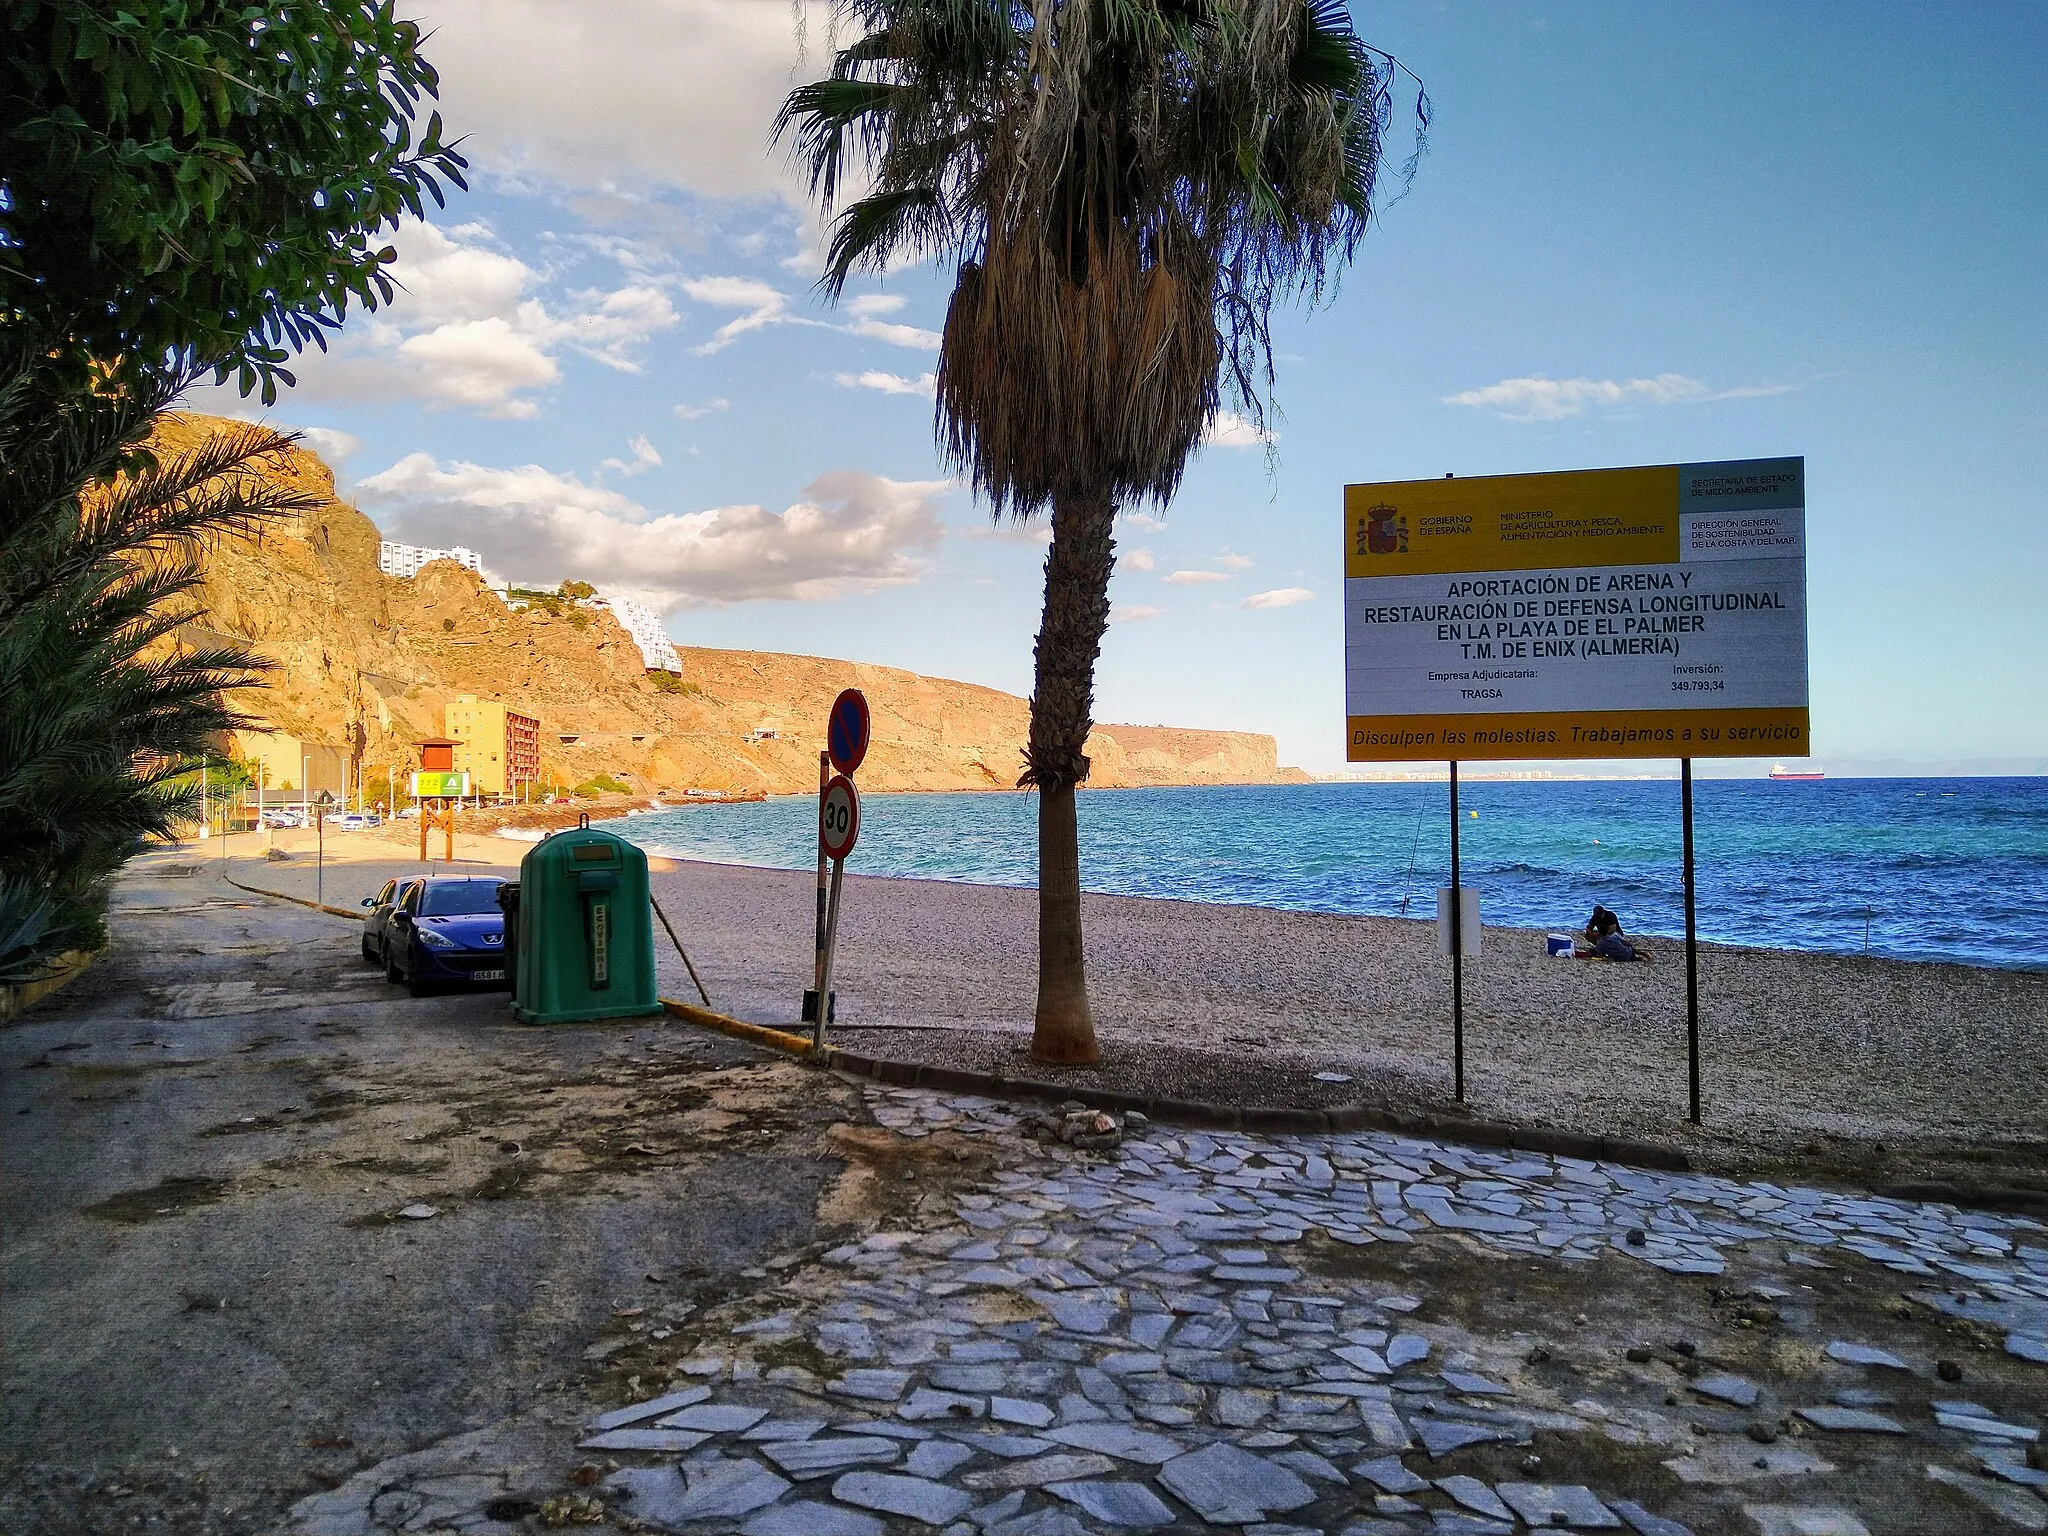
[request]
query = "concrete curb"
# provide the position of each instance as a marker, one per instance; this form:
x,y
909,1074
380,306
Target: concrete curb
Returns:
x,y
302,901
1199,1116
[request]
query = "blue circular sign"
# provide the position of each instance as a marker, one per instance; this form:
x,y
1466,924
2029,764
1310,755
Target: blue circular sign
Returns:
x,y
846,730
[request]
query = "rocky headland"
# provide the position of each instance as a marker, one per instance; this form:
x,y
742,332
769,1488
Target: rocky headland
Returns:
x,y
369,662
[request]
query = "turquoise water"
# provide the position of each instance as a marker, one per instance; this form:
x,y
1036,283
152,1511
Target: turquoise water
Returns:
x,y
1918,869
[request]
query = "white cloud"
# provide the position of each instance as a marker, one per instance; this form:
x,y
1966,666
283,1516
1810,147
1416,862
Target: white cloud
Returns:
x,y
334,447
1139,559
1145,522
890,383
767,305
1231,562
852,532
628,97
1009,531
688,412
896,335
610,323
1279,597
874,304
1194,578
1133,613
474,327
1230,430
484,364
644,458
763,305
1544,399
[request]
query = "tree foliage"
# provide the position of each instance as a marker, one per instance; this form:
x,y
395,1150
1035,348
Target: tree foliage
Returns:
x,y
206,181
1126,186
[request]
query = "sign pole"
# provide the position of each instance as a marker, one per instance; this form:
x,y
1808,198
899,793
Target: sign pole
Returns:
x,y
1457,950
825,962
815,1004
847,731
1692,949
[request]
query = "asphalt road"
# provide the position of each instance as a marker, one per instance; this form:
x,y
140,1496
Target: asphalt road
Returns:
x,y
211,1306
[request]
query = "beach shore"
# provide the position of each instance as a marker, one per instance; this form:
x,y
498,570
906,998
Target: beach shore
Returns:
x,y
1878,1069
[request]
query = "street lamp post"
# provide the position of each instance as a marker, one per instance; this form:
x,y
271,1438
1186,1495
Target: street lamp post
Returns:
x,y
320,846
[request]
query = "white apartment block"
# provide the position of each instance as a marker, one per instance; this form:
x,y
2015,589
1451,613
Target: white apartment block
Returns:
x,y
657,651
405,560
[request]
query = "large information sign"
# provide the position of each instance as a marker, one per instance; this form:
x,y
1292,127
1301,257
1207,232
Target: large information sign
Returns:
x,y
1655,612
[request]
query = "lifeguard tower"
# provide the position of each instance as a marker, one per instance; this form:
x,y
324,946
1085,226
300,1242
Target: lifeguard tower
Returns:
x,y
438,785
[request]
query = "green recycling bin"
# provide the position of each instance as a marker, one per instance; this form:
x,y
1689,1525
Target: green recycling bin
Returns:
x,y
586,930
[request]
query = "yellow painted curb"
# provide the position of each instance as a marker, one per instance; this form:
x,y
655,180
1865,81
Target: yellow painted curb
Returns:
x,y
760,1034
317,906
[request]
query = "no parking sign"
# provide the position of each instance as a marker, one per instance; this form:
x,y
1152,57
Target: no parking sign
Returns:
x,y
846,730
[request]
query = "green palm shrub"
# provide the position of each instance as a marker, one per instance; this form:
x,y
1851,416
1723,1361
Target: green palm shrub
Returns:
x,y
103,711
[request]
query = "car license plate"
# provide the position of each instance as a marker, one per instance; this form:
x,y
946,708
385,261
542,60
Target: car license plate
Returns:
x,y
487,975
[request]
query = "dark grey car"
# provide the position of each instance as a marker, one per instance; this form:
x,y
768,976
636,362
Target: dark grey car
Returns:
x,y
377,920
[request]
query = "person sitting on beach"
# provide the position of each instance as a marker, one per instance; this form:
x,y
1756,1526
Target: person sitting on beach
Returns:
x,y
1605,939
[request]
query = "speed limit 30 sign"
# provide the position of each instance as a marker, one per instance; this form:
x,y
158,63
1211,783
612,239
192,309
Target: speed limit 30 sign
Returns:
x,y
838,817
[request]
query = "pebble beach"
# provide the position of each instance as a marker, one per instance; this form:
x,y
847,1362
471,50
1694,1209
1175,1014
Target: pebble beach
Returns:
x,y
1823,1057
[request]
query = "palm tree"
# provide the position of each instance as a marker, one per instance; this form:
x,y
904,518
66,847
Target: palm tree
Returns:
x,y
104,712
1127,187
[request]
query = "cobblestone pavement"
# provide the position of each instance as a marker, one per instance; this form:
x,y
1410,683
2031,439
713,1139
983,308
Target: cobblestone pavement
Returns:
x,y
1194,1331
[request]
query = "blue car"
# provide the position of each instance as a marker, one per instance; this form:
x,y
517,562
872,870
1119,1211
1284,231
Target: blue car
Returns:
x,y
446,929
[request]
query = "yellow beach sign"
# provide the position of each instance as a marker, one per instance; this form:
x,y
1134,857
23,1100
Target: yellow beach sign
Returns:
x,y
1648,612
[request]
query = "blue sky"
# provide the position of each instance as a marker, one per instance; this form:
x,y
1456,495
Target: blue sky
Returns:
x,y
1642,234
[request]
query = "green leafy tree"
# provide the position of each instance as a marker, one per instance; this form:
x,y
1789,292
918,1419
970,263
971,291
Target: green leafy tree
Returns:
x,y
185,186
204,182
1126,187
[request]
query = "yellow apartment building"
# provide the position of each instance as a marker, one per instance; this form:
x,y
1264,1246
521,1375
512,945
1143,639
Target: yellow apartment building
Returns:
x,y
500,747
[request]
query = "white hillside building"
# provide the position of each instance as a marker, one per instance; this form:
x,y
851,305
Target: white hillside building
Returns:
x,y
657,651
405,560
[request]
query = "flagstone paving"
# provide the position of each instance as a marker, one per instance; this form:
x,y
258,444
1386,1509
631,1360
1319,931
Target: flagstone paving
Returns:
x,y
1124,1341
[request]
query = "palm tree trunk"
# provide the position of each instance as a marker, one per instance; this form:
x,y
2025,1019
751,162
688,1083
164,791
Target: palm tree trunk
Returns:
x,y
1069,638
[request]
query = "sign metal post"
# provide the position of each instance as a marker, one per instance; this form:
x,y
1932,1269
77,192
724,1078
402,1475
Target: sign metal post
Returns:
x,y
320,845
1457,952
813,1013
1692,953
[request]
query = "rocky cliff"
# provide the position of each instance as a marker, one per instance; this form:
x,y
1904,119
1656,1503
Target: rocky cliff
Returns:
x,y
370,661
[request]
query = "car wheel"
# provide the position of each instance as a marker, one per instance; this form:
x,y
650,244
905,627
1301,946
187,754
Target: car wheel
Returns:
x,y
392,973
369,954
414,983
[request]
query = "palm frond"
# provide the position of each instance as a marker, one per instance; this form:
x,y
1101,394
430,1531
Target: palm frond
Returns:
x,y
103,708
875,227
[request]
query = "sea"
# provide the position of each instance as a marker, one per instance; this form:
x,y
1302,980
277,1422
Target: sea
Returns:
x,y
1912,869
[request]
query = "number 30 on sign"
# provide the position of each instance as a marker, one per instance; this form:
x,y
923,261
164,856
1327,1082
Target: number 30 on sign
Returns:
x,y
839,817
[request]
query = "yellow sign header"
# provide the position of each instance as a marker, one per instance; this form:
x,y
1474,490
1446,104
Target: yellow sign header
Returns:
x,y
1577,518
